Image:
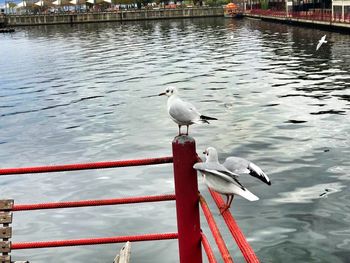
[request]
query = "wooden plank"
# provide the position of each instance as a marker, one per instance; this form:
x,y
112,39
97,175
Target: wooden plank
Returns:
x,y
6,232
5,246
124,254
5,259
5,217
6,204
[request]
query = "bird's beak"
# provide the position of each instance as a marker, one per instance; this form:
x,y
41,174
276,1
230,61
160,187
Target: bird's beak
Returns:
x,y
150,96
205,152
162,94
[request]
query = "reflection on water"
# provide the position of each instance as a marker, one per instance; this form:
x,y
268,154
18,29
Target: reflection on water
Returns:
x,y
75,94
308,194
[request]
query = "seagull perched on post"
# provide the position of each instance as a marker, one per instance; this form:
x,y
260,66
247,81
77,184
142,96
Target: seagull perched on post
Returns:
x,y
321,41
218,178
181,112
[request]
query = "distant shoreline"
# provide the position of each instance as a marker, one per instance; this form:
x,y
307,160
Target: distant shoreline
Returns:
x,y
115,16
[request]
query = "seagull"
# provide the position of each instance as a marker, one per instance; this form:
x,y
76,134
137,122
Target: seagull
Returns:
x,y
181,112
321,41
242,166
218,178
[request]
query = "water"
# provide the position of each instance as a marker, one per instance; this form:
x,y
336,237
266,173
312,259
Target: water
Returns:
x,y
73,94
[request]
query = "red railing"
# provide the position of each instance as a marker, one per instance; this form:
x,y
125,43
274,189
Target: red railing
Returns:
x,y
215,231
85,166
189,235
207,249
81,203
93,241
312,15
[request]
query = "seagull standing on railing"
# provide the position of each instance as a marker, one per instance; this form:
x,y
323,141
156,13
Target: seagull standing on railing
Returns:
x,y
321,41
221,180
181,112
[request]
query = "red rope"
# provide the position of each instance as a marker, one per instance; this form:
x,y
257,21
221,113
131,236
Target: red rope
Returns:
x,y
215,231
82,203
207,249
85,166
237,234
92,241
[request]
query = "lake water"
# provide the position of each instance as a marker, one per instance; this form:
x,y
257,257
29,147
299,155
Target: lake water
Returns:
x,y
73,94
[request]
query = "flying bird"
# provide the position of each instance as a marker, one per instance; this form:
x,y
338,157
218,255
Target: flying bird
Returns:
x,y
181,112
218,178
242,166
321,41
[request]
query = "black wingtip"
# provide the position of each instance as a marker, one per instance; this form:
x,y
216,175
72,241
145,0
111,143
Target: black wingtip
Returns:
x,y
203,117
262,178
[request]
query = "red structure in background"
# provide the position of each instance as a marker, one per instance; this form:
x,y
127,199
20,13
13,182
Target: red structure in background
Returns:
x,y
189,235
312,15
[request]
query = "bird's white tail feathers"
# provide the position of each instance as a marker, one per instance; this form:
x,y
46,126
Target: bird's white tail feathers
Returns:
x,y
246,194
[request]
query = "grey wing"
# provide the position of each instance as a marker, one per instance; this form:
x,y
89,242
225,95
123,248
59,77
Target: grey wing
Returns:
x,y
220,171
184,112
240,166
237,165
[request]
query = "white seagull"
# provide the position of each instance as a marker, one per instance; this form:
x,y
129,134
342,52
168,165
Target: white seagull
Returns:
x,y
181,112
242,166
221,180
321,41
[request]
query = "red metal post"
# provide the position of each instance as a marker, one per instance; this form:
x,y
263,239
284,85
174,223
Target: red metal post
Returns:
x,y
187,206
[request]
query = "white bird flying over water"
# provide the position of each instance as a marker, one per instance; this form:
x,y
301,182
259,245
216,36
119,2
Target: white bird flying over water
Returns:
x,y
221,180
181,112
321,41
242,166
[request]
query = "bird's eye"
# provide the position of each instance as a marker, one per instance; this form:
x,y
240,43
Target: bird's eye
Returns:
x,y
167,91
172,91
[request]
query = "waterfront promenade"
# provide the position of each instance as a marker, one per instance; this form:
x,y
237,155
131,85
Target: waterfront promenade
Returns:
x,y
311,19
115,16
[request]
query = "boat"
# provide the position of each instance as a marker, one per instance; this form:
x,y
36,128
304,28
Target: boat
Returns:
x,y
231,10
